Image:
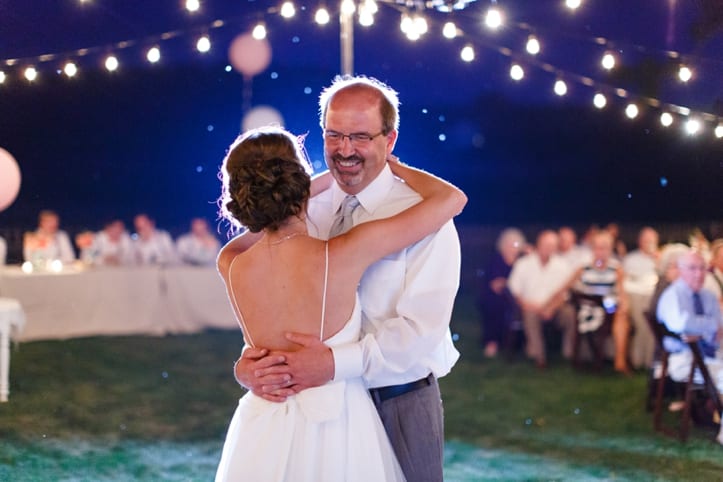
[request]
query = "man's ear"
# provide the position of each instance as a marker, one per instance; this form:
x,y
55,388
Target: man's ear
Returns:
x,y
391,141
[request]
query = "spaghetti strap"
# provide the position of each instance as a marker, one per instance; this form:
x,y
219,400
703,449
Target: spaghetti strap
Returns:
x,y
232,295
323,296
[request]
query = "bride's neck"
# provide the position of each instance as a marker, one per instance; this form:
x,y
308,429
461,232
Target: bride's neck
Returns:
x,y
293,226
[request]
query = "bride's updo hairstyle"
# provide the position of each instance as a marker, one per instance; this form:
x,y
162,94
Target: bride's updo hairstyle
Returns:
x,y
265,179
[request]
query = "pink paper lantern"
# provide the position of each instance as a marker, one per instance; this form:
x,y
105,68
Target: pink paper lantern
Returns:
x,y
9,179
249,55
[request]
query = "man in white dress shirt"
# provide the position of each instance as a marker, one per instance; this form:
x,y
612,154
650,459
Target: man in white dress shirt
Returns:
x,y
199,247
48,242
151,245
641,276
685,307
406,298
576,255
538,281
113,246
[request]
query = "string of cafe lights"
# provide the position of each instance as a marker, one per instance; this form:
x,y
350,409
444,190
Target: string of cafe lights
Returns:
x,y
414,23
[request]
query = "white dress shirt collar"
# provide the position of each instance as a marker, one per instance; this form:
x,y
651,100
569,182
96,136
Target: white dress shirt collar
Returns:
x,y
371,197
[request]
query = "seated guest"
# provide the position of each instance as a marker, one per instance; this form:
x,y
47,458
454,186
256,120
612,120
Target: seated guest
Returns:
x,y
576,255
48,242
3,251
714,278
537,282
151,245
619,249
113,246
640,267
687,308
200,246
496,303
604,277
667,271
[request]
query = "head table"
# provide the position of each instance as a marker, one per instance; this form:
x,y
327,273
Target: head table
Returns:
x,y
143,300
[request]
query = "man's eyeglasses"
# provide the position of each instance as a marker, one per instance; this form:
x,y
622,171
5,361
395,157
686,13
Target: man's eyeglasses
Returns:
x,y
356,138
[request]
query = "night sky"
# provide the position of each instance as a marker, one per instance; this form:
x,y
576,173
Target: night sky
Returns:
x,y
150,138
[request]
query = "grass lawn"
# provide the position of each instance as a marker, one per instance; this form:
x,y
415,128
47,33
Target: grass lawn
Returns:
x,y
143,408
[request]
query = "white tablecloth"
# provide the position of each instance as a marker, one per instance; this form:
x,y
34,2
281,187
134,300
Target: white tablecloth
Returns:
x,y
118,301
12,320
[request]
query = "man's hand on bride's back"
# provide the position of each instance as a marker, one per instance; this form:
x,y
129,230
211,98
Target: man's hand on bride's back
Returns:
x,y
266,375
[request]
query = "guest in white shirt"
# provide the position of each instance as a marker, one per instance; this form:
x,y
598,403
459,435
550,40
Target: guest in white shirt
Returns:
x,y
714,278
199,247
576,255
48,242
3,251
687,308
151,245
113,246
538,282
641,276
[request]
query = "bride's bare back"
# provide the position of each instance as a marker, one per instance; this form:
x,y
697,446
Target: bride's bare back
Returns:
x,y
279,288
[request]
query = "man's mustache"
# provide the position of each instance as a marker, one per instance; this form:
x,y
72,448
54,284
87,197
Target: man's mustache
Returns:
x,y
339,158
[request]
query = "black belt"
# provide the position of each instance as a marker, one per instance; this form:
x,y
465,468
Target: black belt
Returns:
x,y
385,393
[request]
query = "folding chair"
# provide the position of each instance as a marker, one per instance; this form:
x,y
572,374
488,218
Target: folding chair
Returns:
x,y
593,324
689,388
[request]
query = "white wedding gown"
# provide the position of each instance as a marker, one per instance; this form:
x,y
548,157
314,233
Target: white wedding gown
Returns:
x,y
329,433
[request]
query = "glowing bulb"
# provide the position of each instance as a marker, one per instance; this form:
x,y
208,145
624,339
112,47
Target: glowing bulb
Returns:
x,y
31,74
406,25
366,18
322,16
608,61
348,7
533,45
2,77
193,5
153,55
718,131
467,53
599,100
203,44
684,73
573,4
516,72
288,10
420,25
70,69
372,6
666,119
259,31
632,111
27,267
560,87
56,266
450,30
111,63
693,126
493,18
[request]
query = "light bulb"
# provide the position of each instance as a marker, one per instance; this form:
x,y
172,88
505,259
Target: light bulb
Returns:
x,y
111,63
2,77
348,7
560,88
666,119
684,73
322,16
493,18
608,61
288,10
599,100
203,44
259,31
467,53
632,111
516,72
193,5
573,4
450,30
533,45
70,69
31,74
718,131
693,126
153,55
366,18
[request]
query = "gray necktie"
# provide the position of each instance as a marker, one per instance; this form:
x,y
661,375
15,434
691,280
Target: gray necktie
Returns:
x,y
344,221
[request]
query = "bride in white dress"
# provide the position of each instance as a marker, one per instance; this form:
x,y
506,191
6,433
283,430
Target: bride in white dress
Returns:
x,y
287,281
